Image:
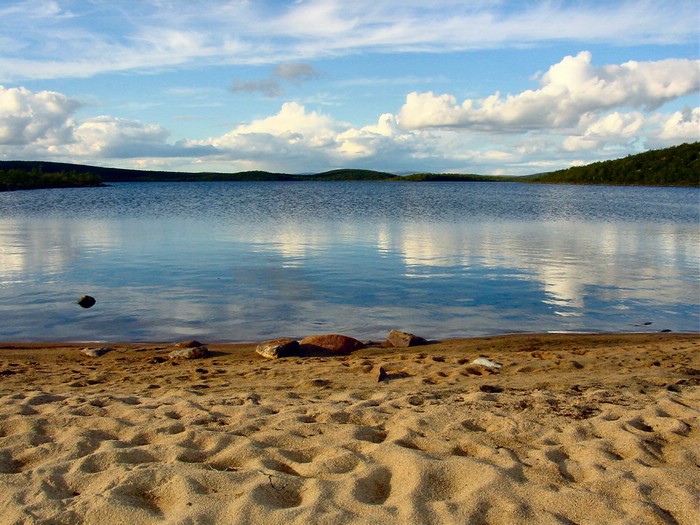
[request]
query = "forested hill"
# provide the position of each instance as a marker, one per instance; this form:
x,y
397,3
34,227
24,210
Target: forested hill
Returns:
x,y
675,166
127,175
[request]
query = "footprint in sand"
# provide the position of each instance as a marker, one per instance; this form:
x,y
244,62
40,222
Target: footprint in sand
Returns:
x,y
280,492
375,488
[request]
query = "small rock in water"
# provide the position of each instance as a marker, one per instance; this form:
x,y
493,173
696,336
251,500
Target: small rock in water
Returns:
x,y
189,353
482,361
96,352
87,301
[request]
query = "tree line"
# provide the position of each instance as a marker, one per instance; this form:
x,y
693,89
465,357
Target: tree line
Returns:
x,y
36,178
674,166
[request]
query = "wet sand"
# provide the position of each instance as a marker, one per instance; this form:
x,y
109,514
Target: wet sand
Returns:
x,y
572,429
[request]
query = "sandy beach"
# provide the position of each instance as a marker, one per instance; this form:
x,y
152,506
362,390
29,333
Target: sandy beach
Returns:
x,y
571,429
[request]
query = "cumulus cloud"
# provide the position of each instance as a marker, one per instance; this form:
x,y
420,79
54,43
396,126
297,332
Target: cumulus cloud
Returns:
x,y
568,92
106,136
682,126
42,125
27,117
579,113
291,138
613,129
118,138
298,140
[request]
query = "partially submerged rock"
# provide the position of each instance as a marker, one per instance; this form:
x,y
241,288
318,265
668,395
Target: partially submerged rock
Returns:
x,y
87,301
189,353
331,343
96,352
400,339
277,348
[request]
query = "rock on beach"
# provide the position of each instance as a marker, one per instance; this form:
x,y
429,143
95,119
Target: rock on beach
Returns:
x,y
331,343
400,339
277,348
189,353
188,344
96,352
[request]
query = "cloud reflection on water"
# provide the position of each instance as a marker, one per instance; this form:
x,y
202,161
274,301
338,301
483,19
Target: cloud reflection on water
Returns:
x,y
245,261
164,279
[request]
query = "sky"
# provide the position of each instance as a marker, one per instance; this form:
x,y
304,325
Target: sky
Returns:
x,y
404,86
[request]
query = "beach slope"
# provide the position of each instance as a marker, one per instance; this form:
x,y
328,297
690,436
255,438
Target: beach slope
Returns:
x,y
571,429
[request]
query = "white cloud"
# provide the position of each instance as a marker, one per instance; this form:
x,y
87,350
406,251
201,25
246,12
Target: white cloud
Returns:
x,y
293,123
370,141
106,136
681,126
613,129
580,113
568,92
296,140
56,43
27,117
42,125
293,139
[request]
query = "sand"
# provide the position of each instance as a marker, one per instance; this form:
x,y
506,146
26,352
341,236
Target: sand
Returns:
x,y
572,429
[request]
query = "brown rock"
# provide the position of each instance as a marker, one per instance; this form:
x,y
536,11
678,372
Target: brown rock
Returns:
x,y
277,348
188,344
189,353
331,343
399,339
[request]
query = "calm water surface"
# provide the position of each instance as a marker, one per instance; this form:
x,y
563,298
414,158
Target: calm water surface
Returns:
x,y
251,261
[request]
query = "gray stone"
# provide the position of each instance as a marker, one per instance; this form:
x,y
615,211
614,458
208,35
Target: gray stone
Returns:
x,y
400,339
96,352
277,348
482,361
189,353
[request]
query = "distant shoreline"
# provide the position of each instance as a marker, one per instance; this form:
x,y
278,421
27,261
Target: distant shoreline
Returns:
x,y
675,166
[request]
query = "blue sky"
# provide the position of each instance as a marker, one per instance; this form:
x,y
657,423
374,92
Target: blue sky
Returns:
x,y
483,86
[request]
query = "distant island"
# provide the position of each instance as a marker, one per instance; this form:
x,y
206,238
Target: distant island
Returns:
x,y
674,166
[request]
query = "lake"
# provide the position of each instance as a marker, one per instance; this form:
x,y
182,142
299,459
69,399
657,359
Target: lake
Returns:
x,y
237,261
